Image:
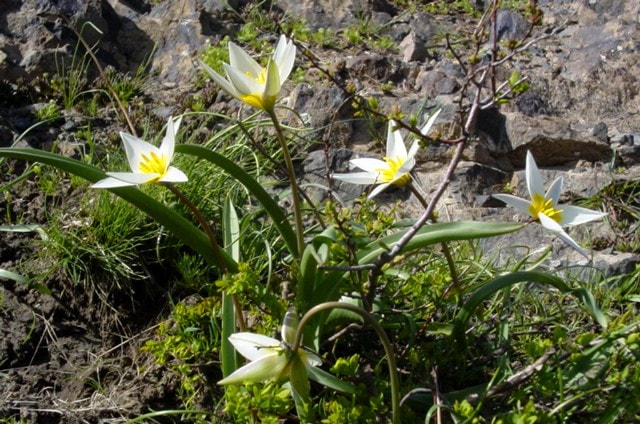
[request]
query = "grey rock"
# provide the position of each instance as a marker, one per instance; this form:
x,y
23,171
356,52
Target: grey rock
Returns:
x,y
326,13
317,168
510,25
552,140
601,132
412,48
325,109
371,66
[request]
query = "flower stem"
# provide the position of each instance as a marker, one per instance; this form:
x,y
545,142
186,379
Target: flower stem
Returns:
x,y
445,246
217,250
386,343
295,189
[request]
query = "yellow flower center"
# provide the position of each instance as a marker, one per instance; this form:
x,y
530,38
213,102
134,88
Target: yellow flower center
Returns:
x,y
153,164
541,205
259,100
388,173
261,78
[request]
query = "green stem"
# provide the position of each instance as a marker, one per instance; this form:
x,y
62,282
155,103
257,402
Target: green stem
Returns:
x,y
295,190
386,343
217,251
445,246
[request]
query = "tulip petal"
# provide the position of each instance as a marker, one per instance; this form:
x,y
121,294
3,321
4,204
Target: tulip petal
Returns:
x,y
254,346
272,82
284,56
111,182
554,227
432,119
135,148
221,81
134,178
554,190
535,185
240,60
522,205
406,167
575,215
266,367
413,150
168,142
395,144
174,175
309,358
369,164
377,190
242,83
357,177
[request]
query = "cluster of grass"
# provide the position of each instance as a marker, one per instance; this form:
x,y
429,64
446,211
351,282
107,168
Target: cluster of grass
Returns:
x,y
472,348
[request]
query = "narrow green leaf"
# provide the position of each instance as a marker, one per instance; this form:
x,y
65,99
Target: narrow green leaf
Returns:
x,y
187,232
231,230
19,278
10,275
329,380
487,290
231,239
270,206
437,233
25,228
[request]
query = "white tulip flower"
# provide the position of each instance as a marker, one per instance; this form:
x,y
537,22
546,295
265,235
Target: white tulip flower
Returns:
x,y
544,207
394,168
149,164
251,83
271,359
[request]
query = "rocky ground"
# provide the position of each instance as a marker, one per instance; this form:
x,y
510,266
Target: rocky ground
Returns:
x,y
580,117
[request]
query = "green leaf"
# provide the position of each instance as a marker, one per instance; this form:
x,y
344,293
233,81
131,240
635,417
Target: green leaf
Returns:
x,y
10,275
437,233
329,380
270,206
231,227
298,377
179,226
231,240
489,289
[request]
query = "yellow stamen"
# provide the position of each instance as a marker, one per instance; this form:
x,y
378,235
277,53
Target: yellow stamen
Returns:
x,y
388,174
261,78
541,205
153,164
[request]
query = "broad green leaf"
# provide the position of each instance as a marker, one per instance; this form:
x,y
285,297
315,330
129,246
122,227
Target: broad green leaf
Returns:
x,y
437,233
270,206
179,226
489,289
